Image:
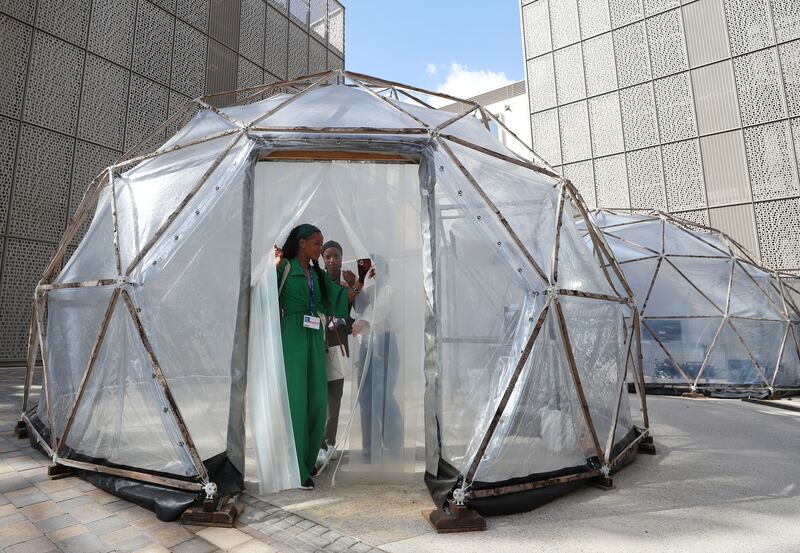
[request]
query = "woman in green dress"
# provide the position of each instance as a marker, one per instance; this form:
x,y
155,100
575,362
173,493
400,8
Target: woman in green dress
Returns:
x,y
305,293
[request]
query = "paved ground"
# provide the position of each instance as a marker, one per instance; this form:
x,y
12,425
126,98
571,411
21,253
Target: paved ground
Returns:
x,y
39,515
725,479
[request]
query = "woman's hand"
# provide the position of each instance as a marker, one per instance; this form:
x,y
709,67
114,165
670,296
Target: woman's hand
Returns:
x,y
349,277
278,255
360,327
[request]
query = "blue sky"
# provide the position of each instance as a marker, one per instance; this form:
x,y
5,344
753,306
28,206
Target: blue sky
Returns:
x,y
463,47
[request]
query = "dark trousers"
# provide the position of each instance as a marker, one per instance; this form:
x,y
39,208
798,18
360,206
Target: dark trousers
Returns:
x,y
381,419
335,389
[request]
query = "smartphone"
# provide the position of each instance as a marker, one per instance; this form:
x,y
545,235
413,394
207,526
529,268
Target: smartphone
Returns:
x,y
364,265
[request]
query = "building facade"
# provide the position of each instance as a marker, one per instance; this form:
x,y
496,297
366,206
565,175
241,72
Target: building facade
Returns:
x,y
687,106
510,105
85,80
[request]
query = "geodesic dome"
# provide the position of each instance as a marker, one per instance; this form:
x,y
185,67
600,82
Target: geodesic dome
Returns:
x,y
163,321
713,320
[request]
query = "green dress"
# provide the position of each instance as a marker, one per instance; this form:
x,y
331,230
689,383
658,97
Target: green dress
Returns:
x,y
304,358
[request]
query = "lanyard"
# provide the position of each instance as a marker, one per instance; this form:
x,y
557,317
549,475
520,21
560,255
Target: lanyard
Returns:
x,y
312,304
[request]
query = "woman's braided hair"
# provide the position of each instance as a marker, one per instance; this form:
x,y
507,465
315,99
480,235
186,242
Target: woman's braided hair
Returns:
x,y
292,246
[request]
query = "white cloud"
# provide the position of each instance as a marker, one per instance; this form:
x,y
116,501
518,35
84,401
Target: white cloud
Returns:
x,y
431,69
463,82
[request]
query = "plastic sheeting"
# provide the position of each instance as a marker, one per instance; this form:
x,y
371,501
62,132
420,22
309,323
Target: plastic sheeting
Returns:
x,y
489,301
711,319
479,264
268,403
372,210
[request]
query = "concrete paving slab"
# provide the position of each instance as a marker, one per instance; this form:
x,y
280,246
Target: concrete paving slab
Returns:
x,y
56,523
224,538
107,524
17,533
36,545
42,510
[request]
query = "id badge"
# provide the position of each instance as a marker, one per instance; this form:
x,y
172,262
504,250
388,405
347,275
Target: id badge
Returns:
x,y
311,322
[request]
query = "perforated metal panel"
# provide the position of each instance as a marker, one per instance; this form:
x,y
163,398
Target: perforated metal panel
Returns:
x,y
725,168
625,11
168,5
13,62
90,159
564,22
779,233
795,124
147,109
667,47
541,83
570,82
758,83
54,84
249,74
675,108
177,102
9,132
769,154
269,78
336,26
611,182
152,48
657,6
544,130
25,263
739,222
715,98
575,137
582,176
298,9
67,19
683,175
646,179
632,53
790,64
536,21
298,51
318,19
112,18
194,12
639,116
281,5
594,17
102,116
275,52
598,60
706,32
21,9
39,198
189,60
749,25
699,216
317,56
251,29
786,15
334,61
605,124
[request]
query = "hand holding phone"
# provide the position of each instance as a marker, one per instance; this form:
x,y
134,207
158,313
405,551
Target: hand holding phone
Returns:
x,y
364,266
